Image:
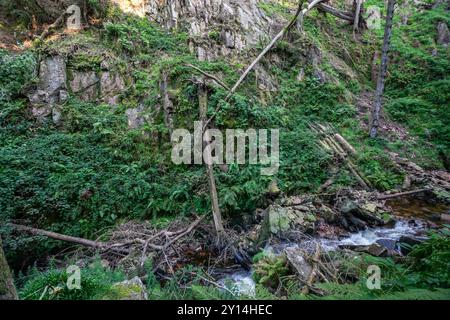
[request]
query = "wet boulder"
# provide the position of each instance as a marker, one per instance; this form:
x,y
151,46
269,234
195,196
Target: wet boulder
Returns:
x,y
282,220
374,249
298,262
389,244
363,212
407,242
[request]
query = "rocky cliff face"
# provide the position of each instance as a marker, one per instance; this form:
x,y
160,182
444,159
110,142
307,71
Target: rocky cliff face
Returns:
x,y
57,81
216,27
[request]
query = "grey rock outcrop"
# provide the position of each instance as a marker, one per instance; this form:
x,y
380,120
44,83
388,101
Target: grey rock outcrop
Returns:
x,y
51,89
238,24
443,34
85,85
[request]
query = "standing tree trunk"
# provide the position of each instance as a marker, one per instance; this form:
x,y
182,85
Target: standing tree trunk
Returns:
x,y
375,122
203,106
356,19
7,289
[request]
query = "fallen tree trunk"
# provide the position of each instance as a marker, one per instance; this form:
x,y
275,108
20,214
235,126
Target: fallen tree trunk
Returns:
x,y
208,75
337,145
59,236
344,15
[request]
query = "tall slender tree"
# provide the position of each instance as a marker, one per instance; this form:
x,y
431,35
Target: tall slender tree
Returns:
x,y
203,106
7,289
375,121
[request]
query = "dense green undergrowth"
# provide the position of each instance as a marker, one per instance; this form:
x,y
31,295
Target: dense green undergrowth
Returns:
x,y
92,172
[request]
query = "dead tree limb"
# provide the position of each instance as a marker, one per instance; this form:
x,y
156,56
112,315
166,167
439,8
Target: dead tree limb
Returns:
x,y
59,236
401,194
54,25
258,58
304,11
118,247
344,15
211,76
184,233
265,50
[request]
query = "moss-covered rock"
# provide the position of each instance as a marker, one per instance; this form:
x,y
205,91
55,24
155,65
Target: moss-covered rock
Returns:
x,y
132,289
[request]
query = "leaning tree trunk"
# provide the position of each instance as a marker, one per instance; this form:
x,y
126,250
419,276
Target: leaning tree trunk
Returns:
x,y
7,289
375,122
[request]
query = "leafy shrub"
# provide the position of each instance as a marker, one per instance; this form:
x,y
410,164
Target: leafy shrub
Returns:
x,y
52,284
17,71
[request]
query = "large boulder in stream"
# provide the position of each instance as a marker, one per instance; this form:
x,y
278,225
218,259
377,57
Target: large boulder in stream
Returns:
x,y
283,220
364,213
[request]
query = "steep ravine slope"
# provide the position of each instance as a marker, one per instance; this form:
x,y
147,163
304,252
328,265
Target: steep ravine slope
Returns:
x,y
86,115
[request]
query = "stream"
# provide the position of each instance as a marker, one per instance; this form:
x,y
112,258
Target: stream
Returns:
x,y
413,218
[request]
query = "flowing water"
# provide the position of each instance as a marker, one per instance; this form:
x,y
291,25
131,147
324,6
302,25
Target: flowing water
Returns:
x,y
413,217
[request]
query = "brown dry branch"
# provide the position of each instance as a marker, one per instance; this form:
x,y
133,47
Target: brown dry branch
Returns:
x,y
312,275
401,194
208,75
121,242
53,26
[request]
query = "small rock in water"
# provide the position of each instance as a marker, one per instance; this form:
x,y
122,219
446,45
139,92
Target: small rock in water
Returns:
x,y
389,244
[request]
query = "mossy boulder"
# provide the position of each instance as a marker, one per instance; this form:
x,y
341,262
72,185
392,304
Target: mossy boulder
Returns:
x,y
132,289
284,219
